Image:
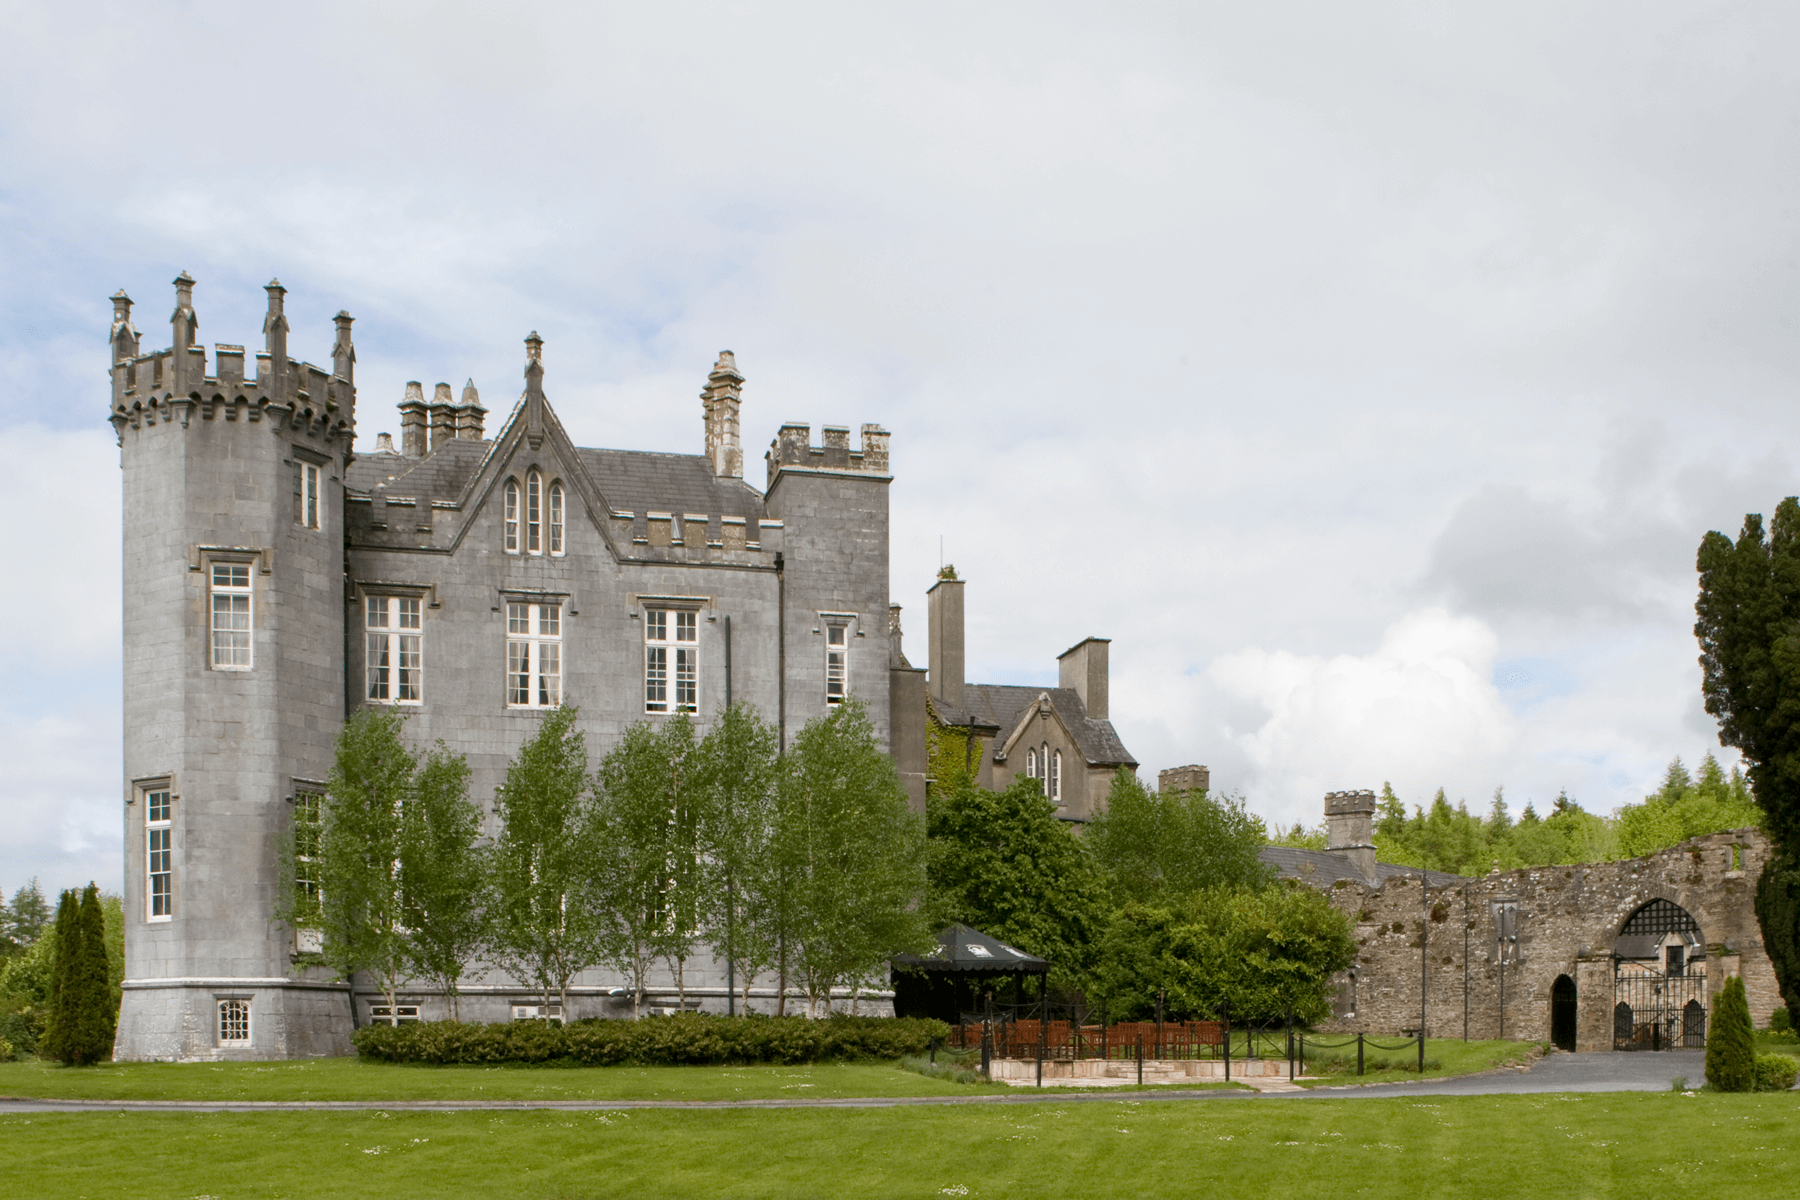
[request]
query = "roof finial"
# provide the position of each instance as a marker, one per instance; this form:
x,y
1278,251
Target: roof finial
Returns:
x,y
124,336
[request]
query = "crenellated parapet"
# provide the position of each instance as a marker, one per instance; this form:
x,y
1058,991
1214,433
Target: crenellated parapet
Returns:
x,y
173,386
792,450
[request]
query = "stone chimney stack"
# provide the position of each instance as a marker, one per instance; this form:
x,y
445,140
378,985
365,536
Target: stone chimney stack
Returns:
x,y
1194,778
1350,828
443,416
384,444
721,401
470,416
413,428
343,350
1083,667
946,618
275,331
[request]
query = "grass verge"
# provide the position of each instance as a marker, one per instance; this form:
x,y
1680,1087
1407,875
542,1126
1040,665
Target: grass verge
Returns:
x,y
1519,1146
360,1079
1443,1057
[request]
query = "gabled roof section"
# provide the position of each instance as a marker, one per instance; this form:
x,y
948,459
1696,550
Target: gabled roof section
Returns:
x,y
1004,705
441,475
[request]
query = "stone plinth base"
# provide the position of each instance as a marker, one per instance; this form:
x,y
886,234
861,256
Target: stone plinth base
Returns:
x,y
177,1020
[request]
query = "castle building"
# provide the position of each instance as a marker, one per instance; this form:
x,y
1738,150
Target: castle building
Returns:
x,y
1062,736
275,579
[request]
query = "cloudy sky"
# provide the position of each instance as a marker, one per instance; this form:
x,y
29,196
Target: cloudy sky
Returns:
x,y
1369,373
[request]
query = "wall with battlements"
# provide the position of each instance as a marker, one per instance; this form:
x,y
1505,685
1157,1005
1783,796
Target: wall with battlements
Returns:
x,y
1567,921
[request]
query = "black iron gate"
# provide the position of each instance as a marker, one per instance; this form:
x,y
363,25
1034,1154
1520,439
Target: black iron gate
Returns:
x,y
1653,1011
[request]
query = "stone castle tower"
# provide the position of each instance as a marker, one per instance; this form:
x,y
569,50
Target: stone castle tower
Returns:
x,y
234,676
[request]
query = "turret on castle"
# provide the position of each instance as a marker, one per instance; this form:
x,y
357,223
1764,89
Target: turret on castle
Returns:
x,y
276,579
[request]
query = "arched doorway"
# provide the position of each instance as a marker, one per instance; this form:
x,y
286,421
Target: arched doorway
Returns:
x,y
1562,1013
1659,980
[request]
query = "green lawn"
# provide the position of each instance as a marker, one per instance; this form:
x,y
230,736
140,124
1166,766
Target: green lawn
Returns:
x,y
1443,1056
358,1079
1624,1145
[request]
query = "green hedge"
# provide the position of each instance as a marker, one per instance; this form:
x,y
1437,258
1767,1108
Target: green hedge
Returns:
x,y
1775,1072
691,1038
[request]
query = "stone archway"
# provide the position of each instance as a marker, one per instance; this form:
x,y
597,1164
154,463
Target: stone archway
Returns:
x,y
1659,980
1562,1013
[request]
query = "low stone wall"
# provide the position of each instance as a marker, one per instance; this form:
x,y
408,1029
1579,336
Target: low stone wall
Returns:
x,y
1566,921
1164,1070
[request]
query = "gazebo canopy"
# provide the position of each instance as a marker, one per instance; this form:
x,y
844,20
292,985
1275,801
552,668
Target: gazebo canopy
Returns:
x,y
970,950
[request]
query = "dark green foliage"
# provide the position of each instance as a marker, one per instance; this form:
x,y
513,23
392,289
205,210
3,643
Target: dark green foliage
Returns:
x,y
1779,1021
1002,863
1731,1043
1157,847
1778,913
57,1023
1776,1072
1268,951
691,1038
84,1008
1749,630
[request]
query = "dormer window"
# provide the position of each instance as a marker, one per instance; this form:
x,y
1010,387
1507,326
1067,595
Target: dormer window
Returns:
x,y
512,516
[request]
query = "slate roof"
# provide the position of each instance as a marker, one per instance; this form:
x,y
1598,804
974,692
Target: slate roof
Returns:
x,y
644,481
1000,705
1322,868
440,475
633,480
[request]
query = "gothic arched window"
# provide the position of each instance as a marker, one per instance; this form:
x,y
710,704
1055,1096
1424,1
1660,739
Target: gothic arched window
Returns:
x,y
556,518
534,513
512,516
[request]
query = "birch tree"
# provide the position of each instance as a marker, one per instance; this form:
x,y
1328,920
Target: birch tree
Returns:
x,y
544,918
736,771
442,873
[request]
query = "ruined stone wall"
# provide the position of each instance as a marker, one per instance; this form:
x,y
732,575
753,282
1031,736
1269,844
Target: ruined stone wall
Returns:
x,y
1566,923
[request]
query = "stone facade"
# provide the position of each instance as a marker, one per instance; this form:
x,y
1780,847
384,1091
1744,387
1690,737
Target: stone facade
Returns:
x,y
1063,735
1496,948
470,580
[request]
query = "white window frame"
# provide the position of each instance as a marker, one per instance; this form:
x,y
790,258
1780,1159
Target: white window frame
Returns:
x,y
309,830
398,1014
234,1018
534,659
159,850
1031,767
556,511
229,571
1055,782
838,633
671,660
534,512
510,516
390,645
538,1012
309,496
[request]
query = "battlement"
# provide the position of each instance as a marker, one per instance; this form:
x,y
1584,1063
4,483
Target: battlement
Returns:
x,y
792,450
173,385
1344,803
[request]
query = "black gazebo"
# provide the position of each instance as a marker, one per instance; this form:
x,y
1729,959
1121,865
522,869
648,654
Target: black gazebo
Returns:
x,y
949,981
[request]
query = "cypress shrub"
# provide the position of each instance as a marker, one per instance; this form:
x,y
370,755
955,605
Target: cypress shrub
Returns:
x,y
56,1022
1778,914
90,1012
1731,1044
690,1038
1775,1072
